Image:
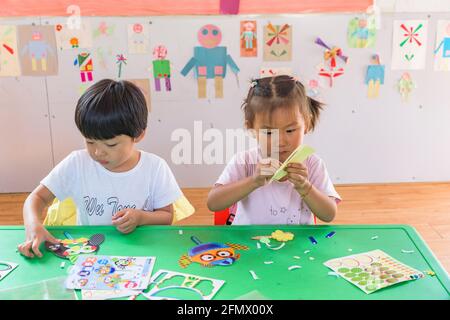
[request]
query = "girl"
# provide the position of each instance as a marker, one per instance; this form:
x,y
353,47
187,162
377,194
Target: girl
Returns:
x,y
276,106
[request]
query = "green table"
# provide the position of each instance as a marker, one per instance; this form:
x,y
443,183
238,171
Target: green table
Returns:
x,y
312,281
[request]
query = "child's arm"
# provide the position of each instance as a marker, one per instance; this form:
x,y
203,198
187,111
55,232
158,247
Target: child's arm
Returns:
x,y
36,202
223,196
127,220
321,205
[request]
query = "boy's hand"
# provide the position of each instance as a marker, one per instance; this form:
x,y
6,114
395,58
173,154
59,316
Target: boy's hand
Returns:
x,y
34,237
298,175
127,220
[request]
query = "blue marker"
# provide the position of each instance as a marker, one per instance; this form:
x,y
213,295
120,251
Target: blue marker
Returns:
x,y
67,235
313,241
330,234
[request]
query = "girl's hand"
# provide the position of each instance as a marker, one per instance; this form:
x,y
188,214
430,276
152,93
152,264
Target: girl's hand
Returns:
x,y
265,169
35,235
298,175
127,220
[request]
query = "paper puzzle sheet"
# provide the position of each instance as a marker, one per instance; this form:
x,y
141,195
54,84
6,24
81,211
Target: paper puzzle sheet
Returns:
x,y
373,270
111,273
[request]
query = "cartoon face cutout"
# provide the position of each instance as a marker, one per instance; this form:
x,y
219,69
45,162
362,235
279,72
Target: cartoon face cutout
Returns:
x,y
123,263
73,247
216,257
159,52
209,36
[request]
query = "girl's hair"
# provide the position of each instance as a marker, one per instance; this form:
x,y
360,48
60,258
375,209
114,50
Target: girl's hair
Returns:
x,y
111,108
271,93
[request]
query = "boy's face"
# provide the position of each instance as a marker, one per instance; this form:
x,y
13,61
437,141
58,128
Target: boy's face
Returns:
x,y
117,154
291,128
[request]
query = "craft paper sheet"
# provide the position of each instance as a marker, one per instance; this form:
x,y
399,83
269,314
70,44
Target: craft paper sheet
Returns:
x,y
442,46
9,59
111,273
373,270
409,44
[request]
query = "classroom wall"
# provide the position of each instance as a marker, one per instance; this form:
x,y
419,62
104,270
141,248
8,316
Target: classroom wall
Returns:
x,y
362,141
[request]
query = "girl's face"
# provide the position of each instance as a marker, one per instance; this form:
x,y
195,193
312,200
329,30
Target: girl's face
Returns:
x,y
287,123
117,154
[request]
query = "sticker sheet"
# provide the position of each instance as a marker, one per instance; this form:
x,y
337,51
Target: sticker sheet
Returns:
x,y
373,270
111,273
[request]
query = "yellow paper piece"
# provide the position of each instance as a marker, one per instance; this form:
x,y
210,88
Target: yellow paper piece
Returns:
x,y
299,155
201,83
218,83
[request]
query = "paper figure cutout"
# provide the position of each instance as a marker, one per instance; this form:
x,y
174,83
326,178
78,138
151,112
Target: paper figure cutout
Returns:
x,y
298,155
161,68
144,85
409,44
405,86
6,268
170,285
138,38
111,273
75,247
67,38
37,48
374,77
84,61
210,61
277,42
229,6
249,45
313,88
120,60
9,61
330,69
103,30
272,72
442,51
211,254
373,270
360,33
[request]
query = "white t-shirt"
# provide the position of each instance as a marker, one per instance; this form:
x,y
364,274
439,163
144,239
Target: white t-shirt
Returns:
x,y
99,193
275,202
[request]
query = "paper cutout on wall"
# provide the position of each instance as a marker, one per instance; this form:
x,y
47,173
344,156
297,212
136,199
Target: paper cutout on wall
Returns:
x,y
161,68
248,43
67,38
373,270
84,62
171,285
138,38
272,72
277,42
361,33
37,50
374,77
211,254
409,44
9,60
313,88
111,273
442,50
144,85
210,61
229,6
330,68
104,30
120,61
405,86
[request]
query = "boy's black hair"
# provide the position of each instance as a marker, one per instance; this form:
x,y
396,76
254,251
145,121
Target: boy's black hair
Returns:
x,y
111,108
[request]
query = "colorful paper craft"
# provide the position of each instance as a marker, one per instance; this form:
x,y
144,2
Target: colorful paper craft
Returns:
x,y
67,38
330,68
210,61
138,38
111,273
361,33
6,268
277,42
298,155
374,77
9,61
442,51
373,270
249,45
409,44
211,254
170,285
73,247
161,68
84,62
